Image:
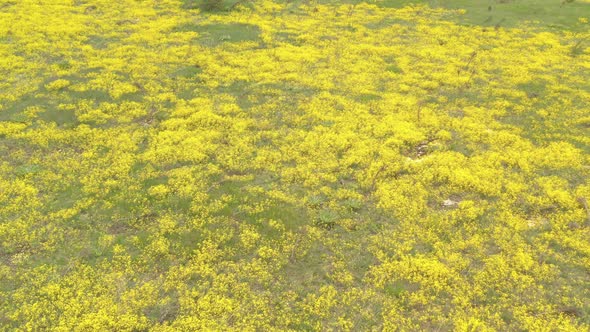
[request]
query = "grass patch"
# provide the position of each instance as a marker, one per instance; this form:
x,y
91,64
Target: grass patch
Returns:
x,y
100,42
508,13
211,5
216,34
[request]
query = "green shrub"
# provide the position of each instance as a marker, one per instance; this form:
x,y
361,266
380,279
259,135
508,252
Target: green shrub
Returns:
x,y
326,219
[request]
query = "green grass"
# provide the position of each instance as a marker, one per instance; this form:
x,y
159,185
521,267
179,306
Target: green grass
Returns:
x,y
215,34
198,4
510,13
506,13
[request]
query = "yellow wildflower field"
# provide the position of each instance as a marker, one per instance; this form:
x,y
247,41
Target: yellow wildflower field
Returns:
x,y
291,166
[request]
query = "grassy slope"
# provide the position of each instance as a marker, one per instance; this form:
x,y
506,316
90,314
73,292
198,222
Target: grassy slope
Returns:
x,y
546,13
551,14
329,232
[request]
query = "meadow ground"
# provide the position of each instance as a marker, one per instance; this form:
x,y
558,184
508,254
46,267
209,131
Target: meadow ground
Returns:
x,y
294,165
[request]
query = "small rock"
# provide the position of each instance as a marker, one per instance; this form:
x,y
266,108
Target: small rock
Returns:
x,y
449,203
